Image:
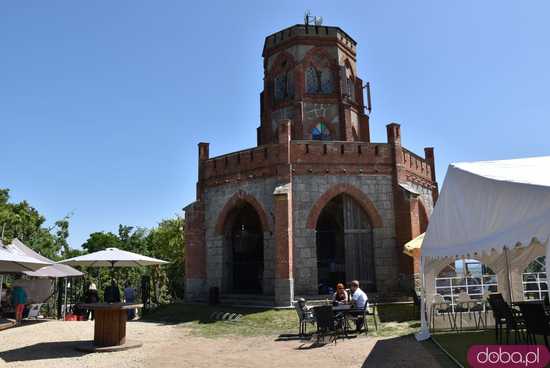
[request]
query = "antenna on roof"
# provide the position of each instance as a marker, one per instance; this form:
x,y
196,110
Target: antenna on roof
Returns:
x,y
312,20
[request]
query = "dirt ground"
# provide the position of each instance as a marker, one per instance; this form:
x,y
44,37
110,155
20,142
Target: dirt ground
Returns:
x,y
52,344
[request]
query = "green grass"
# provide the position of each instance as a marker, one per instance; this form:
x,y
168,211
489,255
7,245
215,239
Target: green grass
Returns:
x,y
457,344
395,320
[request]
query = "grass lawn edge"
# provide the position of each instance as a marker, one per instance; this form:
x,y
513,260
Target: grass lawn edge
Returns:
x,y
451,356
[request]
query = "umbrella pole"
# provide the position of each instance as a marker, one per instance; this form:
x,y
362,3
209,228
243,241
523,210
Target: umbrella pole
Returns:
x,y
65,299
1,284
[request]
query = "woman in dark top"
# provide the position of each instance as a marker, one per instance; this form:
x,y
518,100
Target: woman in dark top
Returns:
x,y
340,296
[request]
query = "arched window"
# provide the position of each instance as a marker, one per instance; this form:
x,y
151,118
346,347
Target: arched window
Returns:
x,y
350,83
283,82
318,76
320,132
534,280
465,276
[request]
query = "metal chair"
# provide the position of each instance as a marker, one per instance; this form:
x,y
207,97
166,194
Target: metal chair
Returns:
x,y
304,318
441,307
355,315
327,323
505,316
536,320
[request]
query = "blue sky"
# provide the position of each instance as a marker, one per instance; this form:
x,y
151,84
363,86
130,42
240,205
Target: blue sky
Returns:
x,y
102,103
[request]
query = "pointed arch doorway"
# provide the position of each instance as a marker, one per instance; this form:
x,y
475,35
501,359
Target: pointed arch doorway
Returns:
x,y
243,250
345,245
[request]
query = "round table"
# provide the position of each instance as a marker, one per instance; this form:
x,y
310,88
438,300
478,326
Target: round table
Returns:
x,y
110,327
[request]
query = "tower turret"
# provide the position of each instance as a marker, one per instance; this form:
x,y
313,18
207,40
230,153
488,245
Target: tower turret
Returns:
x,y
310,78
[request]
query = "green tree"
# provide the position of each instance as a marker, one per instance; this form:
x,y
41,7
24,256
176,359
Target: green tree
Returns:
x,y
22,221
166,242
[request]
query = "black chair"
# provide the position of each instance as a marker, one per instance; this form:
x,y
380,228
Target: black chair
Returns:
x,y
356,315
327,323
536,320
506,317
305,317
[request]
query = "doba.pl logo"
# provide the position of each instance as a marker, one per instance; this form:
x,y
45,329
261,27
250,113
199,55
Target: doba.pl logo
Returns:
x,y
508,356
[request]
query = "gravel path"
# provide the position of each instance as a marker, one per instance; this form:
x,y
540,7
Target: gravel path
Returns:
x,y
51,344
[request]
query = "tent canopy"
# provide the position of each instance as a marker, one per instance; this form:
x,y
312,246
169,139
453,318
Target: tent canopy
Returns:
x,y
14,260
487,205
112,257
53,270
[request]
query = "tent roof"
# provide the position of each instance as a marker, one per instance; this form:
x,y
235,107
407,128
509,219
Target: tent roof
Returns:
x,y
490,204
13,260
51,269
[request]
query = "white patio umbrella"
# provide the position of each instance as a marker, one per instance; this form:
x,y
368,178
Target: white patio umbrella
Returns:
x,y
112,257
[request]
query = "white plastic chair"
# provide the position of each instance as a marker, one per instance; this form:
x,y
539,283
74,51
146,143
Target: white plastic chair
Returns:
x,y
34,311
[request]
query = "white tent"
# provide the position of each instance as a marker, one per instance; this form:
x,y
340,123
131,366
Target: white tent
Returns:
x,y
14,260
495,211
51,271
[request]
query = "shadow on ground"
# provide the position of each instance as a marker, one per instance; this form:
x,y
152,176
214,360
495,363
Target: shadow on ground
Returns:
x,y
294,337
173,314
405,352
44,350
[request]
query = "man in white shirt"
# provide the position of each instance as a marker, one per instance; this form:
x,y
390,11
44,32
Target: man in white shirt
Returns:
x,y
360,301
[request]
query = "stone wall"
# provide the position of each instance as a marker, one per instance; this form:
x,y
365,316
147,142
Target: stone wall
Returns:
x,y
307,189
216,251
425,196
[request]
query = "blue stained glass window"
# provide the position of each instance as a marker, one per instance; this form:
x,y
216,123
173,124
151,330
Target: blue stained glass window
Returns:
x,y
326,81
312,83
279,87
320,132
290,84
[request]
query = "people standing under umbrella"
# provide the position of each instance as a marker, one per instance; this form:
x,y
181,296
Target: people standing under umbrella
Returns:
x,y
130,297
18,299
92,297
112,293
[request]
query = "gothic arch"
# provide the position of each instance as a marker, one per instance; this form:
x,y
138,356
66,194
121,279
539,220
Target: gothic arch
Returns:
x,y
316,53
237,198
277,65
363,200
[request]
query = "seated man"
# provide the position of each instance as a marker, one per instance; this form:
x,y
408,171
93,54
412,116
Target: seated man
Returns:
x,y
360,301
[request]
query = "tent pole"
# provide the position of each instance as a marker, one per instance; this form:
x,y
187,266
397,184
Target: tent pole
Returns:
x,y
424,332
508,275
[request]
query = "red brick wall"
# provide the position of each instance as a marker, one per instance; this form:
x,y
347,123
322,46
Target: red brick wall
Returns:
x,y
195,245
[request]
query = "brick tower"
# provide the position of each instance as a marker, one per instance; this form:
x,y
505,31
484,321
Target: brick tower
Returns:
x,y
315,203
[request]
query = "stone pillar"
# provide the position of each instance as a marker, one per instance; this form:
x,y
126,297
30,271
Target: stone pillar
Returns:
x,y
284,282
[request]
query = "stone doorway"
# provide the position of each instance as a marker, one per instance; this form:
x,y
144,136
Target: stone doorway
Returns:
x,y
345,247
244,251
